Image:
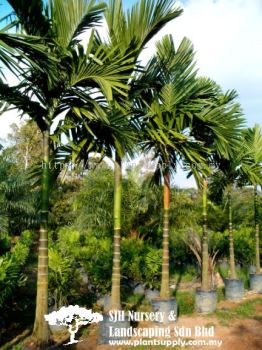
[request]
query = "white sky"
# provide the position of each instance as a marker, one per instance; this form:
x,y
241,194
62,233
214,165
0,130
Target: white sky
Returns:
x,y
227,38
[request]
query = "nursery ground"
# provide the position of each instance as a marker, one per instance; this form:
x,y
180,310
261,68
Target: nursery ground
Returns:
x,y
237,324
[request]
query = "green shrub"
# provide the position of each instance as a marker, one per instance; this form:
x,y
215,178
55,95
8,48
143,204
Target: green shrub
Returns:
x,y
96,259
61,277
152,267
11,264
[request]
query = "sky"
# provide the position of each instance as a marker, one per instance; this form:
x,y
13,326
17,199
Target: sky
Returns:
x,y
227,39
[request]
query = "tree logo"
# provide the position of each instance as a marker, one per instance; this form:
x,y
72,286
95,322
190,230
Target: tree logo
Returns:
x,y
73,317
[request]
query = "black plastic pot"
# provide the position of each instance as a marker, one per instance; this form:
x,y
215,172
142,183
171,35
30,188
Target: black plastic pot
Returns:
x,y
168,308
234,289
256,282
205,301
107,324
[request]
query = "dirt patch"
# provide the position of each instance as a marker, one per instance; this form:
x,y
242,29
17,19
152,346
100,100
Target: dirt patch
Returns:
x,y
239,334
235,334
259,310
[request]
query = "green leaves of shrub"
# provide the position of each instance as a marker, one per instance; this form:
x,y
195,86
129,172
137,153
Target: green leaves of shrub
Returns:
x,y
60,276
11,264
153,261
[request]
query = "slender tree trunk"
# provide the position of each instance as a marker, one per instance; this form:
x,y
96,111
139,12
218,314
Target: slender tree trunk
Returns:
x,y
115,302
231,239
257,230
41,330
164,291
205,257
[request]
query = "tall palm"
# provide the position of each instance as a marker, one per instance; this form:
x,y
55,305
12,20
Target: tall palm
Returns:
x,y
224,182
130,31
230,173
167,130
219,128
252,153
186,121
134,28
68,84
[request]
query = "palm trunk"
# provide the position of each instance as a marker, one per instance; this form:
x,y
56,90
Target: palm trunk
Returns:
x,y
41,330
115,303
257,230
164,291
231,239
204,272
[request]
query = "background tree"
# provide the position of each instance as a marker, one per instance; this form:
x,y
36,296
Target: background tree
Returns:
x,y
25,144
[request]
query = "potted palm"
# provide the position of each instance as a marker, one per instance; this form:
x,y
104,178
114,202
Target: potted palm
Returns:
x,y
230,173
168,133
252,148
206,296
131,31
222,142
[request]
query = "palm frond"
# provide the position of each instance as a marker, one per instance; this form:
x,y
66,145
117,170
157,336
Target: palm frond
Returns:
x,y
73,17
141,23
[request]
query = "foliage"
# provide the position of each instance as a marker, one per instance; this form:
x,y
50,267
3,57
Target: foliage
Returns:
x,y
93,203
141,244
61,202
153,261
98,266
141,263
60,277
25,144
244,244
18,205
11,264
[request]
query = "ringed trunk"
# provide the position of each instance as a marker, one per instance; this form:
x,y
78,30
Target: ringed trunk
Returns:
x,y
257,230
41,329
164,291
115,302
231,239
204,260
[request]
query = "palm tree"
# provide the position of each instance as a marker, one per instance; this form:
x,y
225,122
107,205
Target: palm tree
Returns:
x,y
130,32
168,128
223,182
135,28
69,83
221,133
232,172
189,117
252,153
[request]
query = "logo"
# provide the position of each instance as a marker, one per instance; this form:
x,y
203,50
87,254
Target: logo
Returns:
x,y
73,317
